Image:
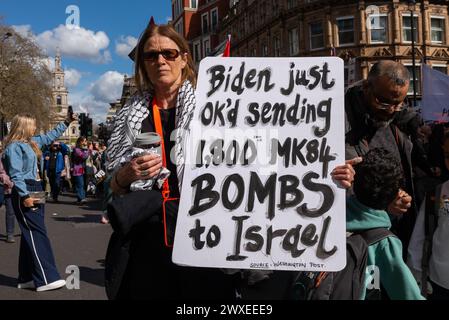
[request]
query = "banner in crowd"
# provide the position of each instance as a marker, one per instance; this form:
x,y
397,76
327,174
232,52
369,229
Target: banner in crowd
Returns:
x,y
257,191
435,95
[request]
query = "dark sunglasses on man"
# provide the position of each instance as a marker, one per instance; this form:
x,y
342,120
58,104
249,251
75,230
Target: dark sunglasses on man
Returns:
x,y
168,54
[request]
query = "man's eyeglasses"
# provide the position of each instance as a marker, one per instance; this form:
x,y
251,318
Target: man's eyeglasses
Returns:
x,y
383,104
168,54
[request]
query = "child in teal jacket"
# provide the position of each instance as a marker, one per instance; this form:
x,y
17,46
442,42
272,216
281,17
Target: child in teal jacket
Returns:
x,y
377,183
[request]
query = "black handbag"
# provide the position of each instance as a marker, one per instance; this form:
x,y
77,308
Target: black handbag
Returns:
x,y
131,209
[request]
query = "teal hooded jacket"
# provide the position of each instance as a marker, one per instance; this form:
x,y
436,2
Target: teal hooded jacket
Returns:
x,y
386,254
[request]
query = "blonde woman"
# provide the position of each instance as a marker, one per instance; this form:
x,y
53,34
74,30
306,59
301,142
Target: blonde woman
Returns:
x,y
37,268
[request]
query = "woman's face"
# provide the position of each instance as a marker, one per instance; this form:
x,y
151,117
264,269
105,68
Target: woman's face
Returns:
x,y
83,143
164,72
33,128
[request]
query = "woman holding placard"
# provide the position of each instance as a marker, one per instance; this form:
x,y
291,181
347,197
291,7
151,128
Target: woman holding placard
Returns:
x,y
164,103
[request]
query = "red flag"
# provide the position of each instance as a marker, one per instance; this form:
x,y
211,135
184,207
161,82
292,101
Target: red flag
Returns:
x,y
227,50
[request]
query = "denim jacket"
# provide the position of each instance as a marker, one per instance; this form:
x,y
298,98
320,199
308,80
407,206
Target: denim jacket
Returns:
x,y
21,161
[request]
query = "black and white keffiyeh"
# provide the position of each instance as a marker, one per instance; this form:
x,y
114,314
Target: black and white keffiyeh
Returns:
x,y
128,125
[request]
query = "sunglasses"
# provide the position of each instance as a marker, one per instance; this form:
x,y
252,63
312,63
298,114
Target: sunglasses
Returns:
x,y
168,54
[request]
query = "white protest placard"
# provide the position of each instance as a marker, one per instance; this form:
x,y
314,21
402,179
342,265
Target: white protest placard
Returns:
x,y
257,191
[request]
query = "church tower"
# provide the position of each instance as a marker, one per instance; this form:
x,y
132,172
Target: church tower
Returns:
x,y
60,104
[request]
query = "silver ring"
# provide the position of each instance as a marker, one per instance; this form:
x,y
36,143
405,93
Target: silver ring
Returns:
x,y
144,173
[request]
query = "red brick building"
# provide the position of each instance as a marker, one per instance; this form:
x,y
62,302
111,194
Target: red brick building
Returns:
x,y
198,21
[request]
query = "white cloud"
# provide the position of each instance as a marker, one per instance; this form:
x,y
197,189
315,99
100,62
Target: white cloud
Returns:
x,y
72,77
49,62
107,89
83,103
76,42
124,46
23,30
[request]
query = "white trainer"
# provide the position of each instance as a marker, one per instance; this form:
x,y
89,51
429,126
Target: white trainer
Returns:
x,y
26,285
52,286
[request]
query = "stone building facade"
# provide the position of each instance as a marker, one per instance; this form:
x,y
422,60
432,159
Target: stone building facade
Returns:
x,y
59,107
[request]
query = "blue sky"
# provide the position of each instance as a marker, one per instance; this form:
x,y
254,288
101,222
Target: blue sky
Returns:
x,y
93,55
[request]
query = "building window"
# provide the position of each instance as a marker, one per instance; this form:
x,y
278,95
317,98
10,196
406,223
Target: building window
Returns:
x,y
206,47
418,79
58,100
407,28
437,29
177,8
205,23
179,26
277,47
275,7
58,82
293,42
345,30
193,4
291,4
441,68
196,51
180,6
378,28
264,50
73,131
316,35
214,18
251,22
346,76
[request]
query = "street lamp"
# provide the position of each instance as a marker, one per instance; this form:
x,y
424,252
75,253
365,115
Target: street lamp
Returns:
x,y
2,126
412,25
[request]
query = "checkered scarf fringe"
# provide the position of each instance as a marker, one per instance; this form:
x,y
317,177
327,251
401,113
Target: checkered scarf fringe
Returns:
x,y
128,125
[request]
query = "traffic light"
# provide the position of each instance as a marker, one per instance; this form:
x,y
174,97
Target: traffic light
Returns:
x,y
89,133
82,124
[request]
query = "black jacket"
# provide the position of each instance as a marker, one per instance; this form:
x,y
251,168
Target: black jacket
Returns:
x,y
139,265
125,214
359,125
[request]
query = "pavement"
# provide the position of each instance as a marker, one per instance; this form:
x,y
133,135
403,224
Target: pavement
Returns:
x,y
78,239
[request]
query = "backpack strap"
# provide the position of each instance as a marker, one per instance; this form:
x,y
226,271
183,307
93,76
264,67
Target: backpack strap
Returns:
x,y
371,236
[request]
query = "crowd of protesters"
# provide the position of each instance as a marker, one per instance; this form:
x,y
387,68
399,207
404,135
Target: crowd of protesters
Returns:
x,y
63,168
396,179
73,169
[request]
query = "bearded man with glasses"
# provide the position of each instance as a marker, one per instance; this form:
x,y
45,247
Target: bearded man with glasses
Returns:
x,y
377,117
